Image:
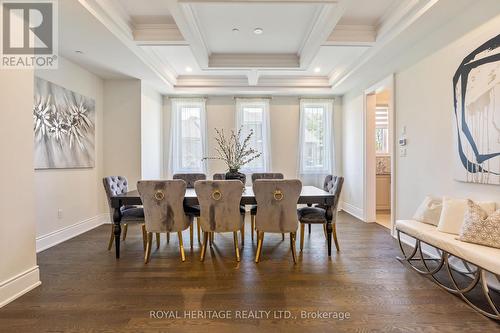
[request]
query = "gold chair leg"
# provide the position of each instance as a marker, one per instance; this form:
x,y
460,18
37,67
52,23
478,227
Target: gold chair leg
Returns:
x,y
334,231
324,230
191,235
198,229
260,240
243,233
168,237
125,229
302,230
292,245
149,243
204,246
252,225
236,247
181,247
282,237
144,236
157,240
111,237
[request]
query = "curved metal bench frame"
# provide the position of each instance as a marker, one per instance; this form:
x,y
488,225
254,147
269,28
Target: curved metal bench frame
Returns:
x,y
478,274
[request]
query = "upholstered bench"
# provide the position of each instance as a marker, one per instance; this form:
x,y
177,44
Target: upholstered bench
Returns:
x,y
477,260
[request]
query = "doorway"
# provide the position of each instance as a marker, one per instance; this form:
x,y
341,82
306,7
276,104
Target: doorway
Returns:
x,y
379,150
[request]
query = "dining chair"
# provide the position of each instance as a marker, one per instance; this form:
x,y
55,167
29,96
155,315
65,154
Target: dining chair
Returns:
x,y
116,185
219,176
253,209
190,179
317,214
163,202
277,213
220,210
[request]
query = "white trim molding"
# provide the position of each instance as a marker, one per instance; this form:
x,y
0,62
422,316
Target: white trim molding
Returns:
x,y
19,285
56,237
352,210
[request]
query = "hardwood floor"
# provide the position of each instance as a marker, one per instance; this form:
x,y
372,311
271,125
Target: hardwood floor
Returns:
x,y
85,289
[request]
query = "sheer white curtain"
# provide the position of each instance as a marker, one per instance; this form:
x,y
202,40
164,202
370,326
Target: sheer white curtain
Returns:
x,y
316,141
253,114
188,141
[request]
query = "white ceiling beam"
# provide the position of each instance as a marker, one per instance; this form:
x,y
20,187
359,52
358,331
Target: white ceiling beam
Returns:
x,y
393,25
157,34
352,35
252,60
323,25
187,23
115,20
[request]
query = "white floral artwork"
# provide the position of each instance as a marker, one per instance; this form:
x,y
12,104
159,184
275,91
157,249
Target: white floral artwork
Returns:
x,y
64,127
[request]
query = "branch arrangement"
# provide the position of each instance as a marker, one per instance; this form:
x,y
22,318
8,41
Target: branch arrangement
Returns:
x,y
233,151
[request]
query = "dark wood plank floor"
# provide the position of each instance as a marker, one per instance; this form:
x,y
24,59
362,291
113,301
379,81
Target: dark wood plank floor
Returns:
x,y
85,289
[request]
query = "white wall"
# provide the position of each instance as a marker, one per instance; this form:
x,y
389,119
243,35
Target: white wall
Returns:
x,y
18,270
284,116
122,129
77,192
151,133
423,104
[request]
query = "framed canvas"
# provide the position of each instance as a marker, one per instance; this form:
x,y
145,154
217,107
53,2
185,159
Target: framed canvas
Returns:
x,y
64,127
476,92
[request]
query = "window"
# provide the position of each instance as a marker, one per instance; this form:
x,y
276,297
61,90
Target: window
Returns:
x,y
188,135
316,137
382,130
253,114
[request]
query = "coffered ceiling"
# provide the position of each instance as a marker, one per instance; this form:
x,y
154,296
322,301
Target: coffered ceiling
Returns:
x,y
243,46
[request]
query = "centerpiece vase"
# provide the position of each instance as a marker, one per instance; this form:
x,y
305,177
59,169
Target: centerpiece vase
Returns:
x,y
235,174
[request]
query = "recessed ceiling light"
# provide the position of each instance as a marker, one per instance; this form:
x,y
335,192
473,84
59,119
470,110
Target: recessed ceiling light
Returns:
x,y
189,69
317,70
236,30
258,31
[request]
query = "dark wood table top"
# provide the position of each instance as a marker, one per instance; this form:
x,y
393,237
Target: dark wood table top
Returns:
x,y
308,195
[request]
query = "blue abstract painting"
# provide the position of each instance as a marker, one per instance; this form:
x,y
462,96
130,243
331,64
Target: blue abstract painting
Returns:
x,y
476,94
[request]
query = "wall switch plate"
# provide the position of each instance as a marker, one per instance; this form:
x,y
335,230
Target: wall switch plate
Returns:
x,y
402,152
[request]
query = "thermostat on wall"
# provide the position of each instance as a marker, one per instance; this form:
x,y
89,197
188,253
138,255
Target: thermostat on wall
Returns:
x,y
402,142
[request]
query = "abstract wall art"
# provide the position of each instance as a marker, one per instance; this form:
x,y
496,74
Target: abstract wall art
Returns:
x,y
476,100
64,126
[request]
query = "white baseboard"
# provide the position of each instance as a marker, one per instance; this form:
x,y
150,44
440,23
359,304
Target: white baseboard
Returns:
x,y
19,285
56,237
352,210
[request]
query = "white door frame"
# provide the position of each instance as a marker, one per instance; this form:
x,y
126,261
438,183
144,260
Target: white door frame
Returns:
x,y
369,197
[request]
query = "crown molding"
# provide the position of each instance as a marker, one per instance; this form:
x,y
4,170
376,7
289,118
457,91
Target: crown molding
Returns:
x,y
405,15
264,82
257,1
211,81
120,25
364,35
251,60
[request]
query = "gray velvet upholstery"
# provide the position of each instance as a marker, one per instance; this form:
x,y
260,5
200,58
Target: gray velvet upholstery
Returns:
x,y
116,185
333,185
224,214
275,215
163,205
263,175
190,178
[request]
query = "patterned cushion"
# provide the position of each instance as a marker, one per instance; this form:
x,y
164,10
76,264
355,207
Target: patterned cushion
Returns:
x,y
429,211
312,215
479,228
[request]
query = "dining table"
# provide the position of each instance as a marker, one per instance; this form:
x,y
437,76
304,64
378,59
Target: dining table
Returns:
x,y
309,195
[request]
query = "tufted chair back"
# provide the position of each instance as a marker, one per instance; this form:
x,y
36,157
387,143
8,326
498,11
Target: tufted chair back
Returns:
x,y
190,178
266,175
114,185
333,185
163,205
220,204
277,202
219,176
